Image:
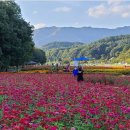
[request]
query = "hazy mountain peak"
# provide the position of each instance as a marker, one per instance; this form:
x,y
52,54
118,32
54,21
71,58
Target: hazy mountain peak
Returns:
x,y
72,34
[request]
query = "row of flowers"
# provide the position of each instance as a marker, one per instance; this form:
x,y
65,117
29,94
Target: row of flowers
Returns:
x,y
59,102
85,67
86,70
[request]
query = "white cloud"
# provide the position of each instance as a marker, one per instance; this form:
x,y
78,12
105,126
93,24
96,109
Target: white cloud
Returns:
x,y
121,10
114,2
125,14
116,7
97,11
39,25
63,9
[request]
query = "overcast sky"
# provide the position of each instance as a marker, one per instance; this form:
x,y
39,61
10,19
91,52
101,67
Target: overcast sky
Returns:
x,y
98,13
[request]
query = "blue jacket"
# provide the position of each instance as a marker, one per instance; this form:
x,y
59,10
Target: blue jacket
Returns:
x,y
75,72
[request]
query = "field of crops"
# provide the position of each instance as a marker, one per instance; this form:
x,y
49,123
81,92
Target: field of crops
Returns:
x,y
118,70
58,102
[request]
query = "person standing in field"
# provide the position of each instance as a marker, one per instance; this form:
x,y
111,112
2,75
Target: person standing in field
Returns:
x,y
68,68
52,67
80,74
57,67
75,71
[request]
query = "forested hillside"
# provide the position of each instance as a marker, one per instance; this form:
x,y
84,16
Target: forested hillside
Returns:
x,y
115,48
61,45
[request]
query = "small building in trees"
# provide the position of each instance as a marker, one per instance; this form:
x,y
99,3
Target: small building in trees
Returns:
x,y
31,63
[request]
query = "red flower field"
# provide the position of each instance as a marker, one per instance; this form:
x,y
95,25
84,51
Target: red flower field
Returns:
x,y
59,102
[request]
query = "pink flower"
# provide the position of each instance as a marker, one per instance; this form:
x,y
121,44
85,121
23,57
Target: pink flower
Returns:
x,y
121,126
73,128
54,128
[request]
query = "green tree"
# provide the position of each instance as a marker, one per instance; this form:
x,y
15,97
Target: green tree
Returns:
x,y
39,56
15,35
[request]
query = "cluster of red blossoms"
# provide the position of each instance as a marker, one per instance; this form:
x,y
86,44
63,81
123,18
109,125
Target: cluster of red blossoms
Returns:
x,y
32,101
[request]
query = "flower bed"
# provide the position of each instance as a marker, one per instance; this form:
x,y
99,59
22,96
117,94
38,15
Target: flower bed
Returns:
x,y
119,70
58,102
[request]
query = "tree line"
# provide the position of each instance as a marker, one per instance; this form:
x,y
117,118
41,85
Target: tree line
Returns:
x,y
115,48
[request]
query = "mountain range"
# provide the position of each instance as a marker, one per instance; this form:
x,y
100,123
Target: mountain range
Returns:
x,y
46,35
